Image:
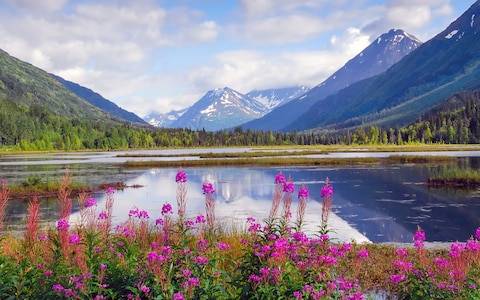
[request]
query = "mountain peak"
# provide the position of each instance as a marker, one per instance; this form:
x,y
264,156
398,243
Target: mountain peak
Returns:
x,y
467,24
220,108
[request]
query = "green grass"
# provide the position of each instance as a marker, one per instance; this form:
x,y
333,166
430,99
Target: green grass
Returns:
x,y
454,177
289,161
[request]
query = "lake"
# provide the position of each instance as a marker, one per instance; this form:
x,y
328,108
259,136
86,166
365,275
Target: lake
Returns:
x,y
378,203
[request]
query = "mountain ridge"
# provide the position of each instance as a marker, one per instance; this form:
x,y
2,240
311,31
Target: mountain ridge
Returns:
x,y
381,54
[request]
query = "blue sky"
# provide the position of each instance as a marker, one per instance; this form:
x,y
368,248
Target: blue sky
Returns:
x,y
151,55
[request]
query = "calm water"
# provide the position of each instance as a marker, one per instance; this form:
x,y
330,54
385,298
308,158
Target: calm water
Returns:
x,y
376,203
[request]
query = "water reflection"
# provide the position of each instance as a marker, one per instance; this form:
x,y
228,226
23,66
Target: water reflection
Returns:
x,y
376,203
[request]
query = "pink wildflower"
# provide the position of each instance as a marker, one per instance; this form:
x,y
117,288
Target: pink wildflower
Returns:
x,y
62,225
178,296
74,239
288,187
201,260
90,202
280,178
303,192
397,278
167,209
208,188
362,253
181,176
223,246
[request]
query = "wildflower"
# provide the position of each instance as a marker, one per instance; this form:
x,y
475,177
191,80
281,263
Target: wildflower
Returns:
x,y
356,296
189,224
193,282
441,262
419,238
456,249
254,278
362,253
280,178
303,192
477,233
58,288
90,202
397,278
103,267
110,190
181,177
208,188
133,212
402,252
103,215
145,289
62,225
297,295
42,237
186,273
167,209
74,239
48,273
201,260
143,214
473,245
223,246
159,222
200,219
288,187
178,296
327,191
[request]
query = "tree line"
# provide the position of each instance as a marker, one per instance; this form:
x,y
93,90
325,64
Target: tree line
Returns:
x,y
35,128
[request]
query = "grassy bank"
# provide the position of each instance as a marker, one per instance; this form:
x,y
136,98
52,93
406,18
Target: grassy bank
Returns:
x,y
35,186
455,177
290,161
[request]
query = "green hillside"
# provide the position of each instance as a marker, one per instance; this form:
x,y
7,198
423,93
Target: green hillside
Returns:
x,y
27,85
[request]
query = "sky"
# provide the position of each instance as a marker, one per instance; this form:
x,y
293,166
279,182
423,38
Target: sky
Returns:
x,y
148,55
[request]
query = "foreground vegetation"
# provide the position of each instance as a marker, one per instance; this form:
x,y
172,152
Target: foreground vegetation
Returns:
x,y
177,257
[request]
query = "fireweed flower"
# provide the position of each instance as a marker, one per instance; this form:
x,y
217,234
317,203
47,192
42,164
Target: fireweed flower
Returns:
x,y
397,278
303,192
297,295
110,190
90,202
288,187
143,214
178,296
103,215
74,239
477,233
58,288
200,219
145,289
362,253
201,260
167,209
223,246
327,191
401,252
62,225
208,188
181,177
419,238
280,178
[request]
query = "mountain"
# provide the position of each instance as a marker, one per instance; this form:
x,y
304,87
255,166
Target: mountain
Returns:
x,y
98,101
27,86
385,51
219,109
164,119
441,67
272,98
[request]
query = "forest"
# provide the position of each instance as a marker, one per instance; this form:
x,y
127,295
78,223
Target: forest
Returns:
x,y
457,121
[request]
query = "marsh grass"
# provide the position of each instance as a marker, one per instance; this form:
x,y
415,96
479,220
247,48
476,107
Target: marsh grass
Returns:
x,y
454,177
291,161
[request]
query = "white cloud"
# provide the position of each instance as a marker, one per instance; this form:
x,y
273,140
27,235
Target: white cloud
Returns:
x,y
247,69
38,5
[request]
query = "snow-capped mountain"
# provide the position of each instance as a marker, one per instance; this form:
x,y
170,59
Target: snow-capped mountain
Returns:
x,y
164,119
272,98
381,54
220,109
